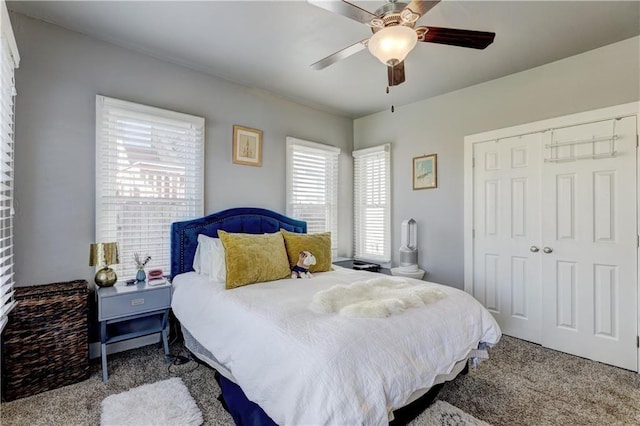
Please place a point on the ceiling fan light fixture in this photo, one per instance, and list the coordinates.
(392, 44)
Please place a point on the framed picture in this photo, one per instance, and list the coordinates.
(425, 172)
(247, 146)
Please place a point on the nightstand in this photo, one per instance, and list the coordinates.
(348, 263)
(126, 312)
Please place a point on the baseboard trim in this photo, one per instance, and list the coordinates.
(125, 345)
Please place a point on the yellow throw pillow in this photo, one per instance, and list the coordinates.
(318, 244)
(254, 258)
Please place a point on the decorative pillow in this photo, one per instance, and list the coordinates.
(318, 244)
(254, 258)
(209, 258)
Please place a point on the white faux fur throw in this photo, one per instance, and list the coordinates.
(374, 298)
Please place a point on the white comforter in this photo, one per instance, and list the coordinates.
(308, 368)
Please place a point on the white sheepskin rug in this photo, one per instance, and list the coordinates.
(167, 402)
(374, 298)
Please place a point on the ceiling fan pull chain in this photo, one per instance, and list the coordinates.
(393, 109)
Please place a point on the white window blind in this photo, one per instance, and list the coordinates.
(372, 186)
(149, 173)
(312, 186)
(9, 60)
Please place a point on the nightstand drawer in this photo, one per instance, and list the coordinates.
(134, 303)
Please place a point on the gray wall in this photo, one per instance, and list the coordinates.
(599, 78)
(62, 71)
(59, 76)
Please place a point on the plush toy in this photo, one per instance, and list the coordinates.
(305, 260)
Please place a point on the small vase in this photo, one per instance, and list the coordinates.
(140, 275)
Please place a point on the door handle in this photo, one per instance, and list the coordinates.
(547, 250)
(534, 249)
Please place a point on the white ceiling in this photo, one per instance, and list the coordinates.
(270, 44)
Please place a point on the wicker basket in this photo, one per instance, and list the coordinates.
(45, 343)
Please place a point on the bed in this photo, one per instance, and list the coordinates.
(299, 366)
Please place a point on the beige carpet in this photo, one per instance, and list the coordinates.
(526, 384)
(522, 384)
(79, 404)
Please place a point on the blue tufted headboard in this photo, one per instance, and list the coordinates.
(250, 220)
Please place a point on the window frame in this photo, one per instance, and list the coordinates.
(329, 152)
(361, 178)
(155, 119)
(9, 61)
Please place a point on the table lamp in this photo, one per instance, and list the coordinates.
(104, 254)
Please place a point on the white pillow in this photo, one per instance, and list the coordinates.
(209, 258)
(196, 259)
(218, 267)
(201, 258)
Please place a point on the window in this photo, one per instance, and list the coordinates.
(371, 192)
(149, 173)
(9, 60)
(312, 186)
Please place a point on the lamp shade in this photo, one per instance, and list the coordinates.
(103, 254)
(392, 44)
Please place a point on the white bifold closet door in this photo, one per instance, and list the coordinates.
(507, 223)
(555, 256)
(589, 291)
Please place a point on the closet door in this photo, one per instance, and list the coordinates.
(506, 272)
(588, 253)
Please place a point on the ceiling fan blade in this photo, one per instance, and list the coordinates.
(345, 8)
(340, 54)
(395, 74)
(421, 7)
(455, 37)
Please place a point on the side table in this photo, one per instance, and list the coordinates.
(348, 263)
(130, 311)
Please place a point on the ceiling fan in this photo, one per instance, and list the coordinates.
(395, 33)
